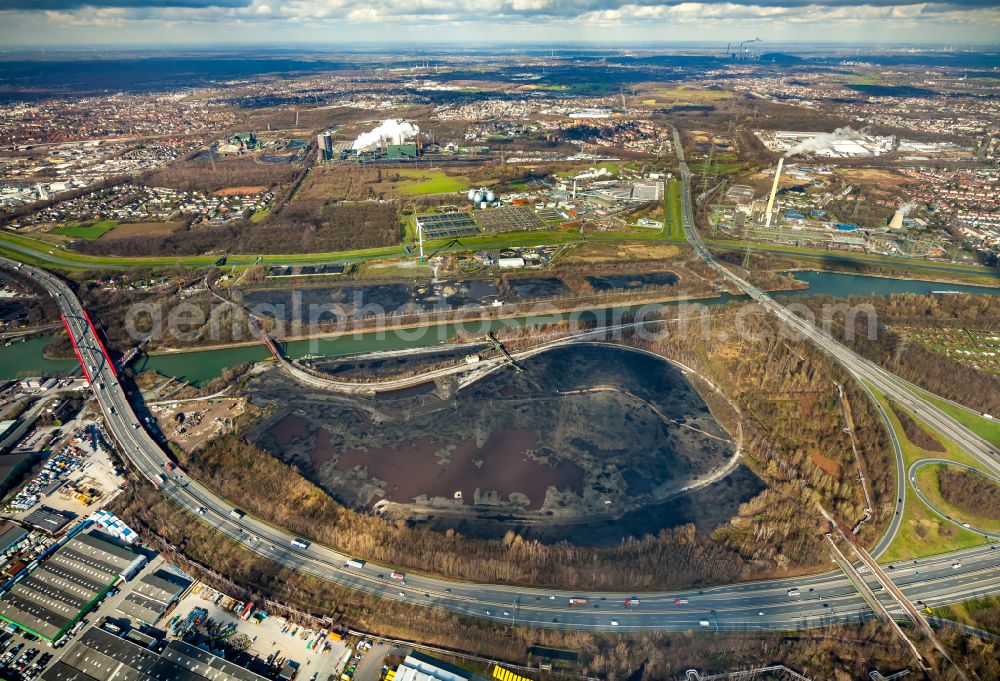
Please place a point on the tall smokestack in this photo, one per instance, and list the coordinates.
(774, 191)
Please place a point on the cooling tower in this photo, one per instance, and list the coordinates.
(897, 219)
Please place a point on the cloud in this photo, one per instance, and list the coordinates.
(549, 8)
(503, 20)
(63, 5)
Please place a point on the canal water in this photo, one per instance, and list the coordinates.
(22, 359)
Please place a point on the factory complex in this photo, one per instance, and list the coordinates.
(102, 656)
(66, 584)
(804, 215)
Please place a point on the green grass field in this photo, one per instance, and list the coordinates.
(423, 182)
(968, 612)
(261, 214)
(988, 429)
(54, 255)
(923, 532)
(718, 168)
(929, 481)
(89, 232)
(672, 207)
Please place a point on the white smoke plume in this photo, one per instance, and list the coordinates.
(906, 208)
(391, 131)
(821, 143)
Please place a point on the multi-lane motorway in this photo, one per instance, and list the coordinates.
(862, 369)
(815, 599)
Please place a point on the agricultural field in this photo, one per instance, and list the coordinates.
(142, 229)
(233, 191)
(596, 253)
(873, 176)
(345, 182)
(683, 95)
(415, 182)
(92, 231)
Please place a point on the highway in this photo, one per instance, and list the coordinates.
(766, 605)
(862, 369)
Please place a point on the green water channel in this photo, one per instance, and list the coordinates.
(23, 359)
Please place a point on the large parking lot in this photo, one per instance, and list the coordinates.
(24, 657)
(272, 636)
(77, 477)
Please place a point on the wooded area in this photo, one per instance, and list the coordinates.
(299, 228)
(970, 492)
(930, 370)
(915, 432)
(836, 652)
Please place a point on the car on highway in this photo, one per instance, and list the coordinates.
(614, 623)
(955, 566)
(202, 510)
(793, 593)
(680, 601)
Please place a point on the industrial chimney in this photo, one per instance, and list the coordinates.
(774, 190)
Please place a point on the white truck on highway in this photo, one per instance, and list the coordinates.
(355, 563)
(300, 543)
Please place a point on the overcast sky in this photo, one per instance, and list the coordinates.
(155, 23)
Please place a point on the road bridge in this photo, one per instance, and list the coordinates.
(759, 606)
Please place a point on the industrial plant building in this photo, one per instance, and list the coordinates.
(47, 520)
(101, 656)
(65, 585)
(392, 140)
(150, 597)
(10, 535)
(420, 667)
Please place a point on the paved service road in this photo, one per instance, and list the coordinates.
(825, 598)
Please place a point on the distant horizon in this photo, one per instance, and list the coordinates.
(187, 23)
(499, 46)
